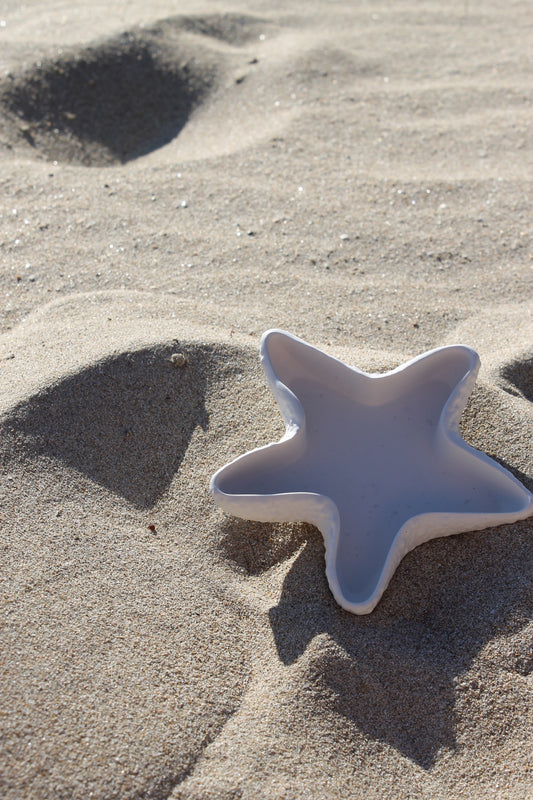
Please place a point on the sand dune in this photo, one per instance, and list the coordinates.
(175, 181)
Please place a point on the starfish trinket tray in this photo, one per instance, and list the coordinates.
(375, 461)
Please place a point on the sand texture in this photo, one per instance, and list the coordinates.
(175, 179)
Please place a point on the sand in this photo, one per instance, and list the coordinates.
(176, 179)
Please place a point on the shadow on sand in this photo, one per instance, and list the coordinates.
(125, 422)
(393, 673)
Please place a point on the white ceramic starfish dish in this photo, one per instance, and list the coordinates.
(376, 462)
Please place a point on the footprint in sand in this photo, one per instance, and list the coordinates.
(207, 85)
(128, 95)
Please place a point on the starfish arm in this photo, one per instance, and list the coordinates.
(254, 486)
(271, 361)
(263, 484)
(443, 378)
(420, 529)
(289, 361)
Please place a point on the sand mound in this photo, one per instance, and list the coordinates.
(111, 102)
(123, 97)
(157, 643)
(99, 421)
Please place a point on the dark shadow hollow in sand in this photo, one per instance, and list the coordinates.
(126, 422)
(392, 673)
(255, 547)
(518, 377)
(111, 102)
(489, 417)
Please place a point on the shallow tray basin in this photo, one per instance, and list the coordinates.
(375, 461)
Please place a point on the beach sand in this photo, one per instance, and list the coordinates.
(177, 178)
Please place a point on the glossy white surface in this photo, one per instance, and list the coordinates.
(375, 461)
